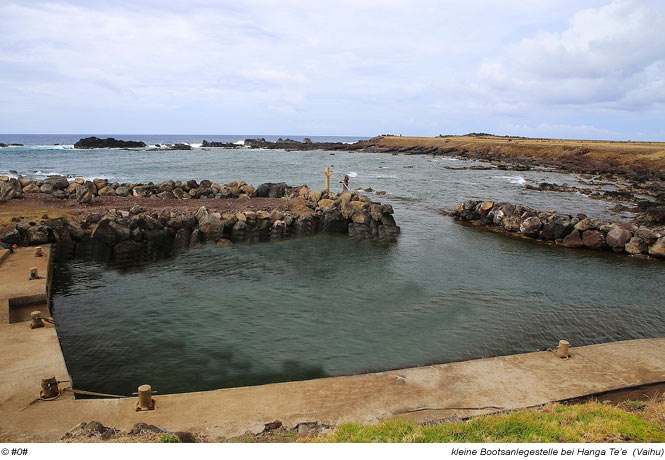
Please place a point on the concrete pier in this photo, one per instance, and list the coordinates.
(424, 393)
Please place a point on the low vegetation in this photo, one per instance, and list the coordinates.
(575, 155)
(632, 421)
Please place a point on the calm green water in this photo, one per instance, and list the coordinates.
(325, 306)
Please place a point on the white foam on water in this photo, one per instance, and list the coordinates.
(48, 147)
(353, 174)
(240, 142)
(518, 180)
(385, 177)
(196, 146)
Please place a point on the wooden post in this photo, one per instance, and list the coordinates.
(327, 173)
(33, 273)
(38, 252)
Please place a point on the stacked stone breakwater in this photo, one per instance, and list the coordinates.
(140, 232)
(578, 231)
(84, 191)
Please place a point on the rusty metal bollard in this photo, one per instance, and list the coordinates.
(49, 388)
(562, 350)
(36, 320)
(145, 401)
(33, 273)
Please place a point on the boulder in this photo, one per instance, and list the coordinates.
(636, 245)
(122, 191)
(360, 217)
(83, 194)
(100, 183)
(485, 207)
(104, 232)
(573, 240)
(211, 227)
(658, 248)
(136, 209)
(36, 234)
(46, 188)
(239, 231)
(12, 236)
(315, 195)
(649, 236)
(359, 231)
(511, 223)
(618, 237)
(388, 234)
(531, 227)
(106, 191)
(586, 224)
(7, 192)
(278, 230)
(31, 188)
(557, 227)
(142, 191)
(127, 251)
(58, 182)
(593, 239)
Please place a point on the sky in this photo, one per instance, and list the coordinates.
(549, 68)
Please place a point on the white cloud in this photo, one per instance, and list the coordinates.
(610, 57)
(331, 67)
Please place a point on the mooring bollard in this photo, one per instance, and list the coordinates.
(38, 252)
(562, 349)
(33, 273)
(49, 388)
(36, 320)
(145, 401)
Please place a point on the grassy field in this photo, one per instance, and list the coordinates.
(633, 155)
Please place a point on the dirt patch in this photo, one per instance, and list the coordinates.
(35, 206)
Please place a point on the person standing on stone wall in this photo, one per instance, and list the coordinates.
(345, 184)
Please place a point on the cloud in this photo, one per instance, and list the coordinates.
(611, 57)
(355, 67)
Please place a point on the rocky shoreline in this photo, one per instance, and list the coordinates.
(578, 231)
(131, 232)
(507, 153)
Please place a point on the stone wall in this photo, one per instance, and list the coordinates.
(139, 233)
(578, 231)
(85, 190)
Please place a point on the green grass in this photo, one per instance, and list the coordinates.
(167, 438)
(590, 422)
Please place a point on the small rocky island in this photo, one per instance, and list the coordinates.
(108, 143)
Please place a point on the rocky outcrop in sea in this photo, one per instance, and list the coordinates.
(108, 143)
(572, 231)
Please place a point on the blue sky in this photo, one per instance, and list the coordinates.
(550, 68)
